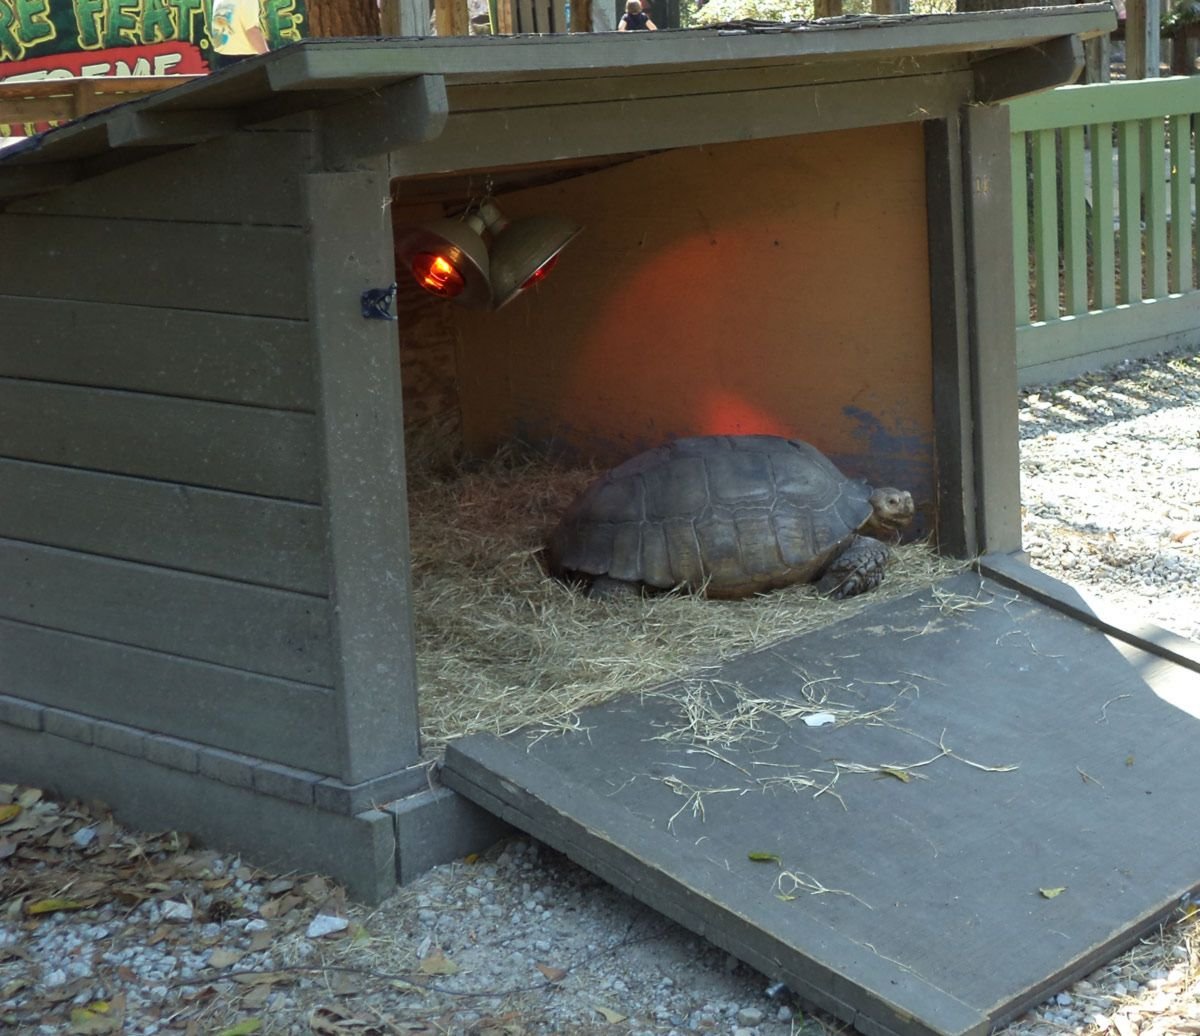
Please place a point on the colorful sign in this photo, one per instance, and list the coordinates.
(55, 39)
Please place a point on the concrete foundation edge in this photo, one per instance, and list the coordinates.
(437, 826)
(369, 852)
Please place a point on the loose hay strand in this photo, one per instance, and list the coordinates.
(501, 646)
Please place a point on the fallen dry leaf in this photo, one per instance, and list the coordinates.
(9, 812)
(551, 973)
(437, 963)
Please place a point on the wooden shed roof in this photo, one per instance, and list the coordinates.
(1008, 52)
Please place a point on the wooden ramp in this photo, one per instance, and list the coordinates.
(1006, 799)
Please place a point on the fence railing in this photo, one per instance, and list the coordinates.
(1104, 201)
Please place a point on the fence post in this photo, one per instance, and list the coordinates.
(1142, 40)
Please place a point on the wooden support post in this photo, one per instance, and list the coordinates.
(827, 8)
(988, 195)
(1142, 40)
(451, 18)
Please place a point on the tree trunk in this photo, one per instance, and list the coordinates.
(343, 18)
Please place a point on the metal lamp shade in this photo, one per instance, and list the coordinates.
(521, 249)
(460, 244)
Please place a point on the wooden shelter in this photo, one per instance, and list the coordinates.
(205, 614)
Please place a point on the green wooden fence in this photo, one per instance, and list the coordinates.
(1104, 197)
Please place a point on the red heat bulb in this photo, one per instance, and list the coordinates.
(437, 275)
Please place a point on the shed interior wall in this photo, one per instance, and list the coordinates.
(777, 286)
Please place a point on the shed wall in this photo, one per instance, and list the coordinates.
(776, 286)
(162, 539)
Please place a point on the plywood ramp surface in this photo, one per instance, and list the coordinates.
(994, 812)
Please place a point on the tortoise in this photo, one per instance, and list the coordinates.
(728, 516)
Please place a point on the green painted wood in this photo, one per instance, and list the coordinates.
(1020, 222)
(243, 449)
(174, 352)
(1067, 348)
(153, 263)
(1015, 73)
(1045, 224)
(1074, 212)
(362, 470)
(1129, 195)
(408, 113)
(997, 480)
(263, 717)
(948, 312)
(476, 93)
(555, 131)
(247, 161)
(1180, 278)
(253, 539)
(1104, 256)
(908, 858)
(1106, 102)
(271, 632)
(1154, 206)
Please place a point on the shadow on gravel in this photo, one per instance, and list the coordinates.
(1118, 393)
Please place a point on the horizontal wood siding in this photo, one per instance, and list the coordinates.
(273, 543)
(257, 271)
(173, 352)
(258, 171)
(257, 715)
(248, 449)
(163, 558)
(273, 632)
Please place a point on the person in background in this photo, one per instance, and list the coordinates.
(235, 31)
(634, 19)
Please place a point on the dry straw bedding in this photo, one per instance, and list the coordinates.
(501, 646)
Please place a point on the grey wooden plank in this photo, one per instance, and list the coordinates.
(260, 630)
(948, 309)
(1080, 603)
(212, 267)
(693, 889)
(555, 132)
(474, 93)
(214, 356)
(411, 112)
(992, 328)
(999, 680)
(168, 186)
(244, 449)
(363, 483)
(1001, 77)
(264, 717)
(254, 539)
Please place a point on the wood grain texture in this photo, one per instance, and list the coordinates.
(1013, 684)
(175, 265)
(725, 311)
(993, 329)
(265, 631)
(244, 449)
(261, 167)
(362, 471)
(248, 538)
(174, 352)
(263, 717)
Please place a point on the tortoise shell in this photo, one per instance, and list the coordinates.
(730, 515)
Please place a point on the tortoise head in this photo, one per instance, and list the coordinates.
(891, 511)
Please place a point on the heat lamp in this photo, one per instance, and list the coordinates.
(450, 258)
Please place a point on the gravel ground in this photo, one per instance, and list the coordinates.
(107, 931)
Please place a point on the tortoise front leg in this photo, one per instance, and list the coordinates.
(857, 569)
